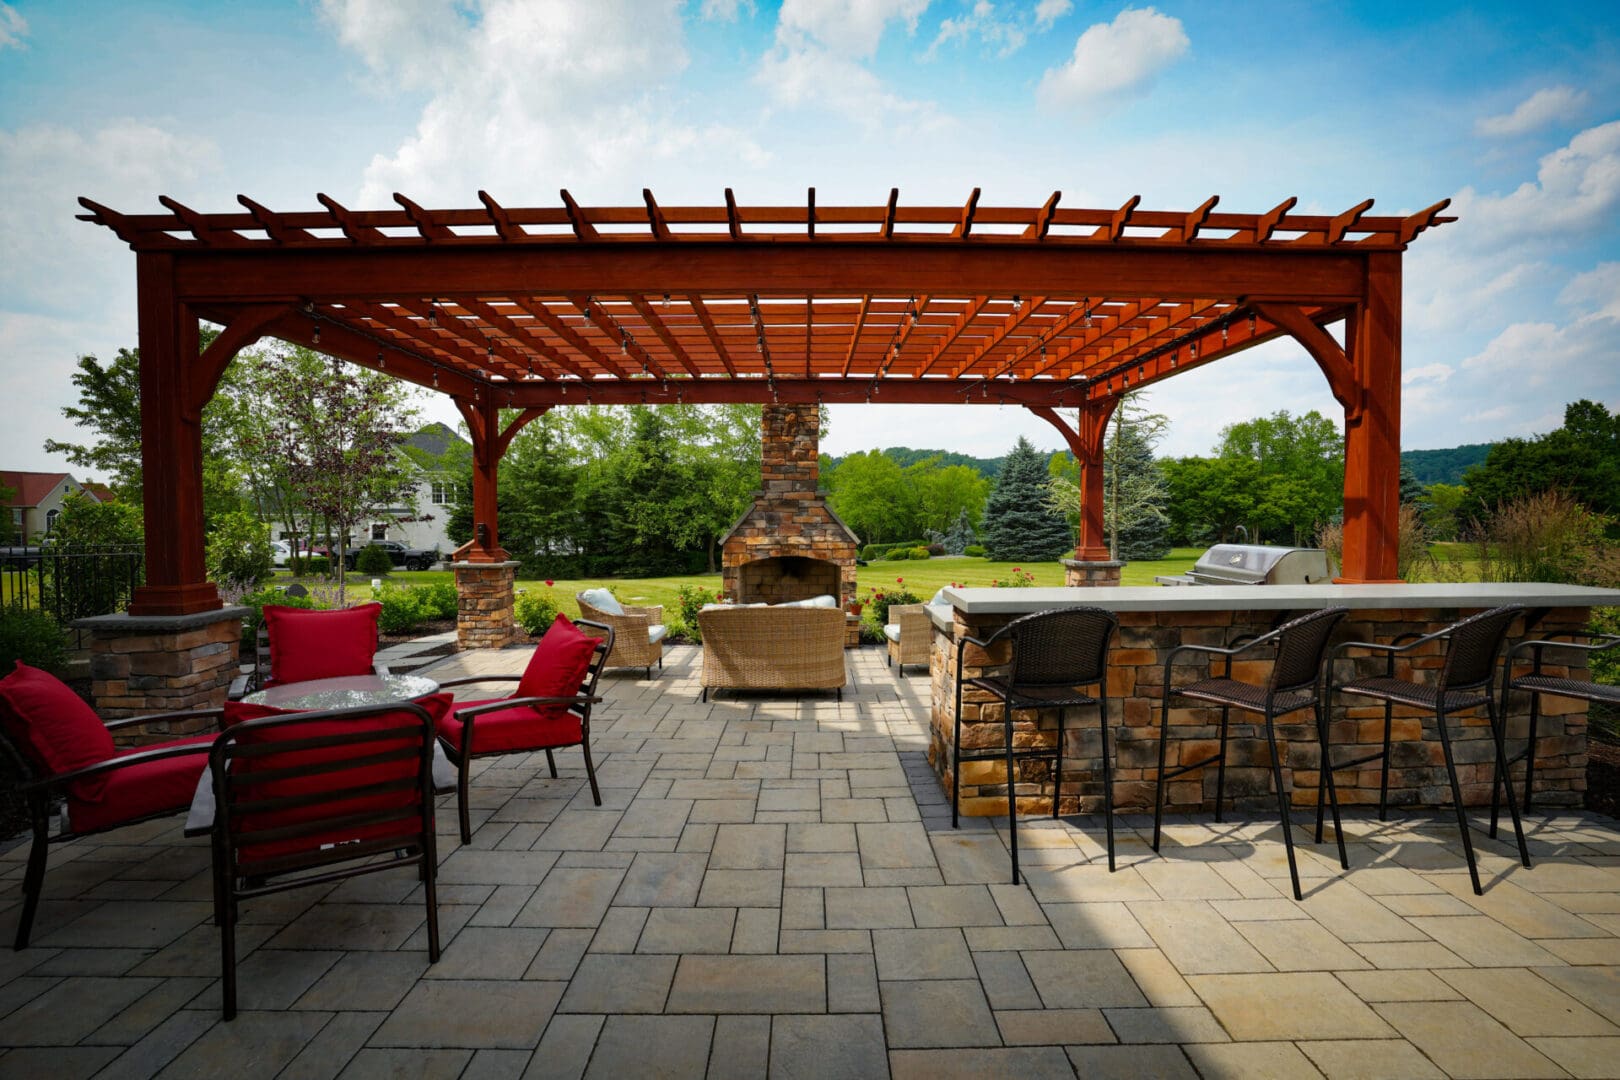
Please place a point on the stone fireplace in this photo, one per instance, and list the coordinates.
(789, 545)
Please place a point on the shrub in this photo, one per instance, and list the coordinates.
(1547, 537)
(403, 608)
(373, 560)
(897, 554)
(256, 601)
(936, 549)
(440, 599)
(535, 611)
(921, 552)
(974, 550)
(1412, 544)
(32, 636)
(1018, 579)
(239, 551)
(311, 565)
(879, 601)
(873, 551)
(688, 601)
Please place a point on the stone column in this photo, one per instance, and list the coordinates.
(1078, 572)
(484, 605)
(162, 663)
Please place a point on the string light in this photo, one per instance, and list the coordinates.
(435, 378)
(433, 313)
(624, 345)
(1018, 303)
(316, 337)
(382, 361)
(1251, 322)
(1087, 321)
(589, 300)
(666, 300)
(1192, 350)
(1223, 335)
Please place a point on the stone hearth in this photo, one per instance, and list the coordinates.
(789, 545)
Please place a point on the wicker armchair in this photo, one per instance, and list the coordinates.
(908, 632)
(635, 643)
(772, 648)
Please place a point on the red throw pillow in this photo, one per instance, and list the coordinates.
(53, 725)
(558, 665)
(308, 644)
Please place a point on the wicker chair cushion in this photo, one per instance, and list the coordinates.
(1244, 696)
(1030, 696)
(603, 600)
(310, 644)
(46, 719)
(1416, 695)
(1575, 688)
(824, 600)
(525, 727)
(144, 790)
(656, 632)
(892, 631)
(559, 662)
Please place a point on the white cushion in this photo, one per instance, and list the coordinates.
(939, 597)
(892, 631)
(823, 600)
(656, 632)
(602, 600)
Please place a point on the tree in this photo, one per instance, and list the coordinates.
(1134, 492)
(1300, 481)
(869, 492)
(6, 528)
(944, 492)
(1209, 497)
(110, 408)
(1018, 521)
(1582, 458)
(336, 432)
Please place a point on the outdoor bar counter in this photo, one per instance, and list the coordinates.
(1154, 619)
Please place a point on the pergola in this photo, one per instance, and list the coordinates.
(1050, 308)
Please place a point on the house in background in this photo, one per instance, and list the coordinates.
(437, 455)
(38, 497)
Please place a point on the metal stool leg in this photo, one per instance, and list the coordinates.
(1220, 768)
(956, 746)
(1530, 751)
(1164, 736)
(1282, 805)
(1332, 790)
(1057, 769)
(1502, 779)
(1108, 778)
(1012, 793)
(1457, 800)
(1383, 779)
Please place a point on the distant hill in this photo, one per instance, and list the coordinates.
(1443, 466)
(905, 455)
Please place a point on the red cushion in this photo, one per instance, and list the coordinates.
(53, 726)
(558, 665)
(525, 727)
(145, 789)
(404, 804)
(308, 644)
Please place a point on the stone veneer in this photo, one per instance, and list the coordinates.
(1091, 574)
(484, 618)
(789, 518)
(160, 664)
(1135, 685)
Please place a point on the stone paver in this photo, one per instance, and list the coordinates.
(771, 884)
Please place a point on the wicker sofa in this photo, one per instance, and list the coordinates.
(908, 632)
(638, 633)
(772, 648)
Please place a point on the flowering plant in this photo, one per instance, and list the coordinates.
(1018, 579)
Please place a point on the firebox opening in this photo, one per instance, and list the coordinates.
(786, 577)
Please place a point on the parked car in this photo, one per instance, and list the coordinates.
(400, 555)
(280, 552)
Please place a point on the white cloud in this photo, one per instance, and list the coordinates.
(1541, 108)
(819, 60)
(725, 10)
(1595, 292)
(1114, 60)
(846, 27)
(1005, 36)
(13, 27)
(1048, 12)
(1426, 373)
(527, 93)
(1577, 188)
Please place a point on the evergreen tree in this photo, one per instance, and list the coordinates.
(1136, 495)
(960, 536)
(1018, 521)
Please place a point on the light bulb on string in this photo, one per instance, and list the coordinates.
(315, 338)
(586, 311)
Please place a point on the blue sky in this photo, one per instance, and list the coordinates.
(1513, 111)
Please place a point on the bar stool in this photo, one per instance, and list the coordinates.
(1536, 684)
(1054, 653)
(1465, 682)
(1295, 683)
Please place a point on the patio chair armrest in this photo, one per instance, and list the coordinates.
(239, 687)
(57, 780)
(380, 669)
(468, 679)
(513, 703)
(653, 612)
(182, 714)
(1593, 643)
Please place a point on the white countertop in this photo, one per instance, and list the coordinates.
(1280, 597)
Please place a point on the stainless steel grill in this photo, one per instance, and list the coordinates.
(1256, 564)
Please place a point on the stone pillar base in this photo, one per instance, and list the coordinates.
(1079, 573)
(162, 663)
(484, 605)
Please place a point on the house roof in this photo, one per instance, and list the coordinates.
(31, 487)
(102, 492)
(434, 439)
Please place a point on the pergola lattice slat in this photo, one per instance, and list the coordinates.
(1047, 307)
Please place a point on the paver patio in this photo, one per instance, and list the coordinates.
(772, 884)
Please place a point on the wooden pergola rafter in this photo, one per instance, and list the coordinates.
(1048, 307)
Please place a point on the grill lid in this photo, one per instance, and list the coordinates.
(1256, 564)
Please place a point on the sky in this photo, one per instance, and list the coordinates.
(1510, 110)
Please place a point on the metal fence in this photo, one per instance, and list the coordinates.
(71, 582)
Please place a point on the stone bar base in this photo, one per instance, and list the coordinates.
(484, 605)
(162, 663)
(1135, 690)
(1092, 574)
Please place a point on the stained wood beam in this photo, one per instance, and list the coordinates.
(505, 228)
(733, 222)
(1423, 219)
(345, 219)
(607, 324)
(888, 216)
(1196, 219)
(1269, 220)
(112, 219)
(575, 340)
(273, 223)
(810, 214)
(965, 225)
(1104, 323)
(487, 351)
(855, 334)
(524, 337)
(583, 229)
(1043, 218)
(1344, 222)
(413, 332)
(1008, 324)
(655, 216)
(1328, 354)
(202, 228)
(1122, 218)
(701, 310)
(425, 223)
(656, 325)
(952, 332)
(357, 347)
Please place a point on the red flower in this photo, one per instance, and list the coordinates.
(1015, 570)
(549, 582)
(899, 581)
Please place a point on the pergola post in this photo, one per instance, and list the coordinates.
(171, 450)
(1372, 437)
(484, 580)
(1093, 563)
